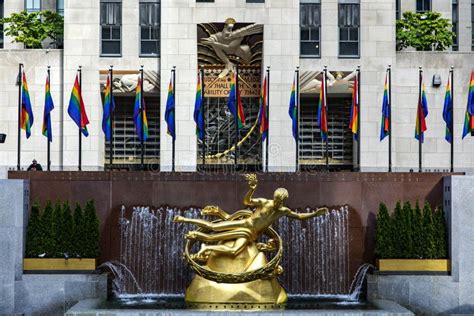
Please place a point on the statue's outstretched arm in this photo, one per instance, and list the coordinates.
(248, 198)
(302, 216)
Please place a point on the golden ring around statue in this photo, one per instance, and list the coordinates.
(269, 270)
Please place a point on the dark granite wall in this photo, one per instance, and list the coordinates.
(361, 191)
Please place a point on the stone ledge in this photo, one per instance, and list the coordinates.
(92, 307)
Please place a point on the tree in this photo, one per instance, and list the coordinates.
(440, 234)
(33, 28)
(34, 236)
(66, 230)
(78, 232)
(57, 232)
(397, 229)
(424, 31)
(47, 229)
(91, 231)
(383, 234)
(428, 233)
(406, 231)
(417, 236)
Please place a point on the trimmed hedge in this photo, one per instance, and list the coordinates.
(57, 233)
(410, 233)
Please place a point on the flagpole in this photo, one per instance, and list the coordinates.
(20, 85)
(420, 146)
(358, 117)
(174, 119)
(267, 117)
(452, 118)
(236, 117)
(325, 92)
(298, 118)
(203, 119)
(79, 70)
(142, 131)
(47, 139)
(389, 118)
(111, 141)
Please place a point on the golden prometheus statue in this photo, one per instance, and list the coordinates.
(231, 265)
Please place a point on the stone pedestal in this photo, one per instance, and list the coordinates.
(14, 199)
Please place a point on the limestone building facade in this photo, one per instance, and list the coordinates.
(309, 34)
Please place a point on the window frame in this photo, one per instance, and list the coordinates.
(423, 6)
(111, 26)
(151, 27)
(455, 23)
(2, 13)
(340, 27)
(58, 9)
(34, 9)
(310, 28)
(472, 25)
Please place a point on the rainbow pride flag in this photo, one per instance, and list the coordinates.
(293, 109)
(139, 113)
(385, 123)
(48, 107)
(262, 115)
(170, 111)
(448, 111)
(234, 98)
(354, 121)
(199, 110)
(109, 107)
(26, 118)
(322, 105)
(76, 108)
(468, 121)
(421, 114)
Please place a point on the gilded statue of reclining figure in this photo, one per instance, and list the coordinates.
(243, 226)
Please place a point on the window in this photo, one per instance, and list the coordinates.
(126, 146)
(1, 25)
(455, 21)
(149, 28)
(310, 28)
(423, 5)
(472, 25)
(398, 14)
(32, 6)
(312, 149)
(349, 23)
(60, 7)
(111, 27)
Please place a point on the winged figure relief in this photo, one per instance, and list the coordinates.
(229, 42)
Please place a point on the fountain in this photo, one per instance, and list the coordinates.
(150, 266)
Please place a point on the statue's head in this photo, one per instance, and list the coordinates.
(229, 24)
(280, 196)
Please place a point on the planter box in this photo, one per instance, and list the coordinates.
(412, 265)
(40, 264)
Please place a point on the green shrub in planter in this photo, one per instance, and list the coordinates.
(417, 226)
(428, 233)
(411, 233)
(34, 234)
(66, 230)
(58, 234)
(384, 246)
(78, 231)
(440, 234)
(47, 231)
(91, 231)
